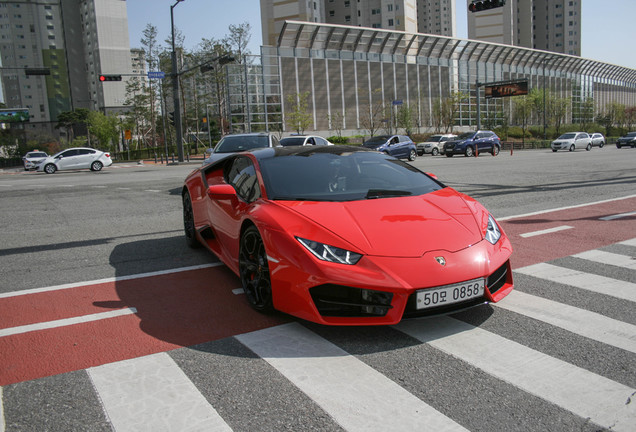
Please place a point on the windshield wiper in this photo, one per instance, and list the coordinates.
(386, 193)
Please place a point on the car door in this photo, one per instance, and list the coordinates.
(581, 140)
(481, 142)
(68, 159)
(226, 214)
(86, 158)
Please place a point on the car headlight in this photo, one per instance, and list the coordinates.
(493, 234)
(329, 253)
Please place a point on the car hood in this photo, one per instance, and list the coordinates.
(398, 227)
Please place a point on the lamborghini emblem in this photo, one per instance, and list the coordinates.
(441, 260)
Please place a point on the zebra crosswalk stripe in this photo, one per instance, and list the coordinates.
(603, 401)
(152, 393)
(580, 321)
(608, 258)
(587, 281)
(355, 395)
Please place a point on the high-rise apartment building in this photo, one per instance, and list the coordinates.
(550, 25)
(413, 16)
(77, 40)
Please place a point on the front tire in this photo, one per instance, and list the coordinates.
(601, 145)
(589, 147)
(435, 152)
(188, 222)
(254, 271)
(97, 166)
(572, 147)
(412, 155)
(50, 168)
(468, 152)
(495, 150)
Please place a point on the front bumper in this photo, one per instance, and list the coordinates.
(382, 290)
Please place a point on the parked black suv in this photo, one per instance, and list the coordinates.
(627, 140)
(470, 142)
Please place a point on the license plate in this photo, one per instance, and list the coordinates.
(450, 294)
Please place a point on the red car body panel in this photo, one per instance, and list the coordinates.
(399, 239)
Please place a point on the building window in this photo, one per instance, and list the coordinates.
(389, 8)
(332, 13)
(347, 18)
(390, 23)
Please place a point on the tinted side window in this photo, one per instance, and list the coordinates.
(86, 151)
(242, 175)
(69, 153)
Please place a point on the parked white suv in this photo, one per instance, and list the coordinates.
(434, 144)
(571, 141)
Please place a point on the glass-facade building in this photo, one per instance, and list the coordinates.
(344, 71)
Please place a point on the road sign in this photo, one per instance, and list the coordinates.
(156, 74)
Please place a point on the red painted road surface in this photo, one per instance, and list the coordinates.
(186, 308)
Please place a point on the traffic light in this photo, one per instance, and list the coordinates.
(480, 5)
(171, 117)
(103, 78)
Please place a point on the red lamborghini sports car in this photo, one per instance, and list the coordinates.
(345, 235)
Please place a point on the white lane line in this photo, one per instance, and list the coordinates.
(631, 242)
(99, 187)
(579, 321)
(351, 392)
(577, 390)
(564, 208)
(66, 322)
(617, 216)
(123, 188)
(152, 393)
(107, 280)
(608, 258)
(152, 190)
(546, 231)
(587, 281)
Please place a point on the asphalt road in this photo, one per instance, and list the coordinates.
(537, 373)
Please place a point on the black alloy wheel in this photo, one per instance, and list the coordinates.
(254, 271)
(188, 222)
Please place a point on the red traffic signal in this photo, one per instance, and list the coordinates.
(480, 5)
(103, 78)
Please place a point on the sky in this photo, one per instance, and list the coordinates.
(605, 24)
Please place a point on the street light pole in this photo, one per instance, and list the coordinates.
(175, 89)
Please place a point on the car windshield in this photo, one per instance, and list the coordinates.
(36, 154)
(567, 136)
(466, 135)
(318, 175)
(292, 141)
(376, 141)
(231, 144)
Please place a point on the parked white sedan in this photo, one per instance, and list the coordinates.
(571, 141)
(75, 159)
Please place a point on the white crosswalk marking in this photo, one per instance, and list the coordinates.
(572, 388)
(608, 258)
(575, 320)
(631, 242)
(152, 394)
(354, 394)
(587, 281)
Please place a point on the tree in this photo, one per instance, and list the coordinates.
(406, 118)
(522, 111)
(104, 128)
(299, 117)
(371, 110)
(238, 39)
(445, 110)
(149, 41)
(336, 122)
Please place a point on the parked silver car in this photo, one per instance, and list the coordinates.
(33, 158)
(303, 140)
(75, 159)
(434, 144)
(572, 141)
(598, 140)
